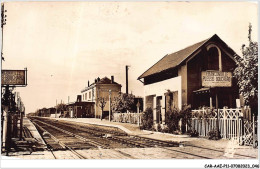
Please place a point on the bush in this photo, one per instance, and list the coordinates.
(165, 129)
(172, 118)
(147, 119)
(159, 128)
(213, 135)
(193, 133)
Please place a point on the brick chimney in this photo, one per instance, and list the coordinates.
(88, 83)
(112, 79)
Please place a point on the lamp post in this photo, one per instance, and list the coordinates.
(138, 112)
(56, 109)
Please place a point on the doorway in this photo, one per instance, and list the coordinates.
(158, 109)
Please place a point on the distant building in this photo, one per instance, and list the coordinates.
(52, 110)
(100, 89)
(80, 109)
(199, 75)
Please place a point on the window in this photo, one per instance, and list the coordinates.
(86, 96)
(83, 96)
(89, 94)
(213, 59)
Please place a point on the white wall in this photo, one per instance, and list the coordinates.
(159, 88)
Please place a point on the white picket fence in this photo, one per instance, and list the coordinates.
(133, 118)
(231, 123)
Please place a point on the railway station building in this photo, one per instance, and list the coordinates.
(101, 88)
(80, 109)
(199, 75)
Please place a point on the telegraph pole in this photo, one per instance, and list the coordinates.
(3, 22)
(56, 109)
(4, 114)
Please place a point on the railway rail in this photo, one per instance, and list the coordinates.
(72, 137)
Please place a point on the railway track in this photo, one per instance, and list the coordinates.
(61, 143)
(65, 146)
(68, 136)
(107, 138)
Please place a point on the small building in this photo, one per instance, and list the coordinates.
(80, 109)
(101, 88)
(52, 110)
(199, 75)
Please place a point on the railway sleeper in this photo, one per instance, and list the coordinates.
(171, 144)
(130, 142)
(95, 130)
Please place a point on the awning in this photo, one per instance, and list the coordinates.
(202, 90)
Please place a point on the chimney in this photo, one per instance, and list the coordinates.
(95, 80)
(98, 79)
(126, 71)
(79, 98)
(112, 79)
(88, 83)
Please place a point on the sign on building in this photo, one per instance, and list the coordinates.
(216, 79)
(14, 77)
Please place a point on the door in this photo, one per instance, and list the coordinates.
(158, 109)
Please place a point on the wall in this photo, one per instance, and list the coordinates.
(159, 88)
(201, 63)
(194, 69)
(102, 90)
(91, 89)
(182, 71)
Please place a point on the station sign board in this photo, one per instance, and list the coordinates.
(216, 79)
(14, 77)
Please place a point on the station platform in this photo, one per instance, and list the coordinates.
(34, 133)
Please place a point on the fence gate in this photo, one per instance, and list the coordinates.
(231, 123)
(249, 137)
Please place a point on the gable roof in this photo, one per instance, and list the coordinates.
(175, 59)
(105, 80)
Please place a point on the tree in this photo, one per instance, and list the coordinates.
(246, 72)
(123, 102)
(61, 108)
(102, 103)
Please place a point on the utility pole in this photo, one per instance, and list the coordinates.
(3, 22)
(56, 109)
(3, 115)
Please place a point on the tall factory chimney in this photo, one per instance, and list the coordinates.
(126, 71)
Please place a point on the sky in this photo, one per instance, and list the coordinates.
(65, 44)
